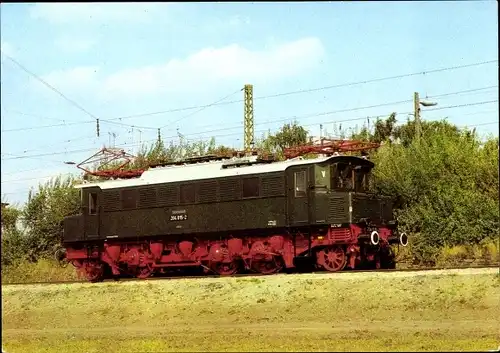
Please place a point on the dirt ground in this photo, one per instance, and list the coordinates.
(450, 310)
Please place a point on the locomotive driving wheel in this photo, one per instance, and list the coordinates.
(145, 271)
(267, 266)
(225, 268)
(93, 271)
(332, 258)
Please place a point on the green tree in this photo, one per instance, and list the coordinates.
(383, 130)
(44, 212)
(10, 217)
(13, 240)
(289, 135)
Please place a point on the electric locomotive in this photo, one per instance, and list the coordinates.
(228, 215)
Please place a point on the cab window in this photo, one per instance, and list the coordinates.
(348, 177)
(342, 176)
(300, 184)
(92, 203)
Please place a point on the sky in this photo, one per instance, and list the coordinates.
(122, 62)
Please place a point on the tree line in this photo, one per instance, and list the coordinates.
(444, 185)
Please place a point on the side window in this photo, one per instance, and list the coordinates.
(188, 193)
(300, 184)
(251, 187)
(92, 203)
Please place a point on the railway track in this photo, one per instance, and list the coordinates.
(243, 275)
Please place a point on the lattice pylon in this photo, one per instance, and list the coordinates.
(248, 119)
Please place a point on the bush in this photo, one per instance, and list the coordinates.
(446, 187)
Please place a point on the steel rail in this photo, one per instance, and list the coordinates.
(243, 275)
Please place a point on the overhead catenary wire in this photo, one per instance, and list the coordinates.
(110, 121)
(73, 174)
(282, 119)
(464, 91)
(311, 89)
(154, 128)
(52, 88)
(286, 118)
(203, 108)
(14, 111)
(221, 101)
(289, 118)
(72, 151)
(60, 143)
(48, 126)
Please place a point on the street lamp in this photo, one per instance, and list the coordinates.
(428, 104)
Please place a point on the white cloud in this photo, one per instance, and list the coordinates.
(211, 66)
(61, 13)
(205, 68)
(74, 45)
(201, 71)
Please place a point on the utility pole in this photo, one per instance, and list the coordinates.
(416, 108)
(248, 119)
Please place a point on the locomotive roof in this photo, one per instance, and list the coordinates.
(208, 170)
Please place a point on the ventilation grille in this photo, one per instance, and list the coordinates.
(273, 186)
(147, 197)
(229, 190)
(111, 200)
(338, 209)
(207, 191)
(168, 195)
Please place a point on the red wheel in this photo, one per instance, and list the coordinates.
(144, 272)
(332, 259)
(267, 267)
(94, 271)
(225, 268)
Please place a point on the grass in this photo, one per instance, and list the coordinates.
(41, 271)
(486, 252)
(345, 312)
